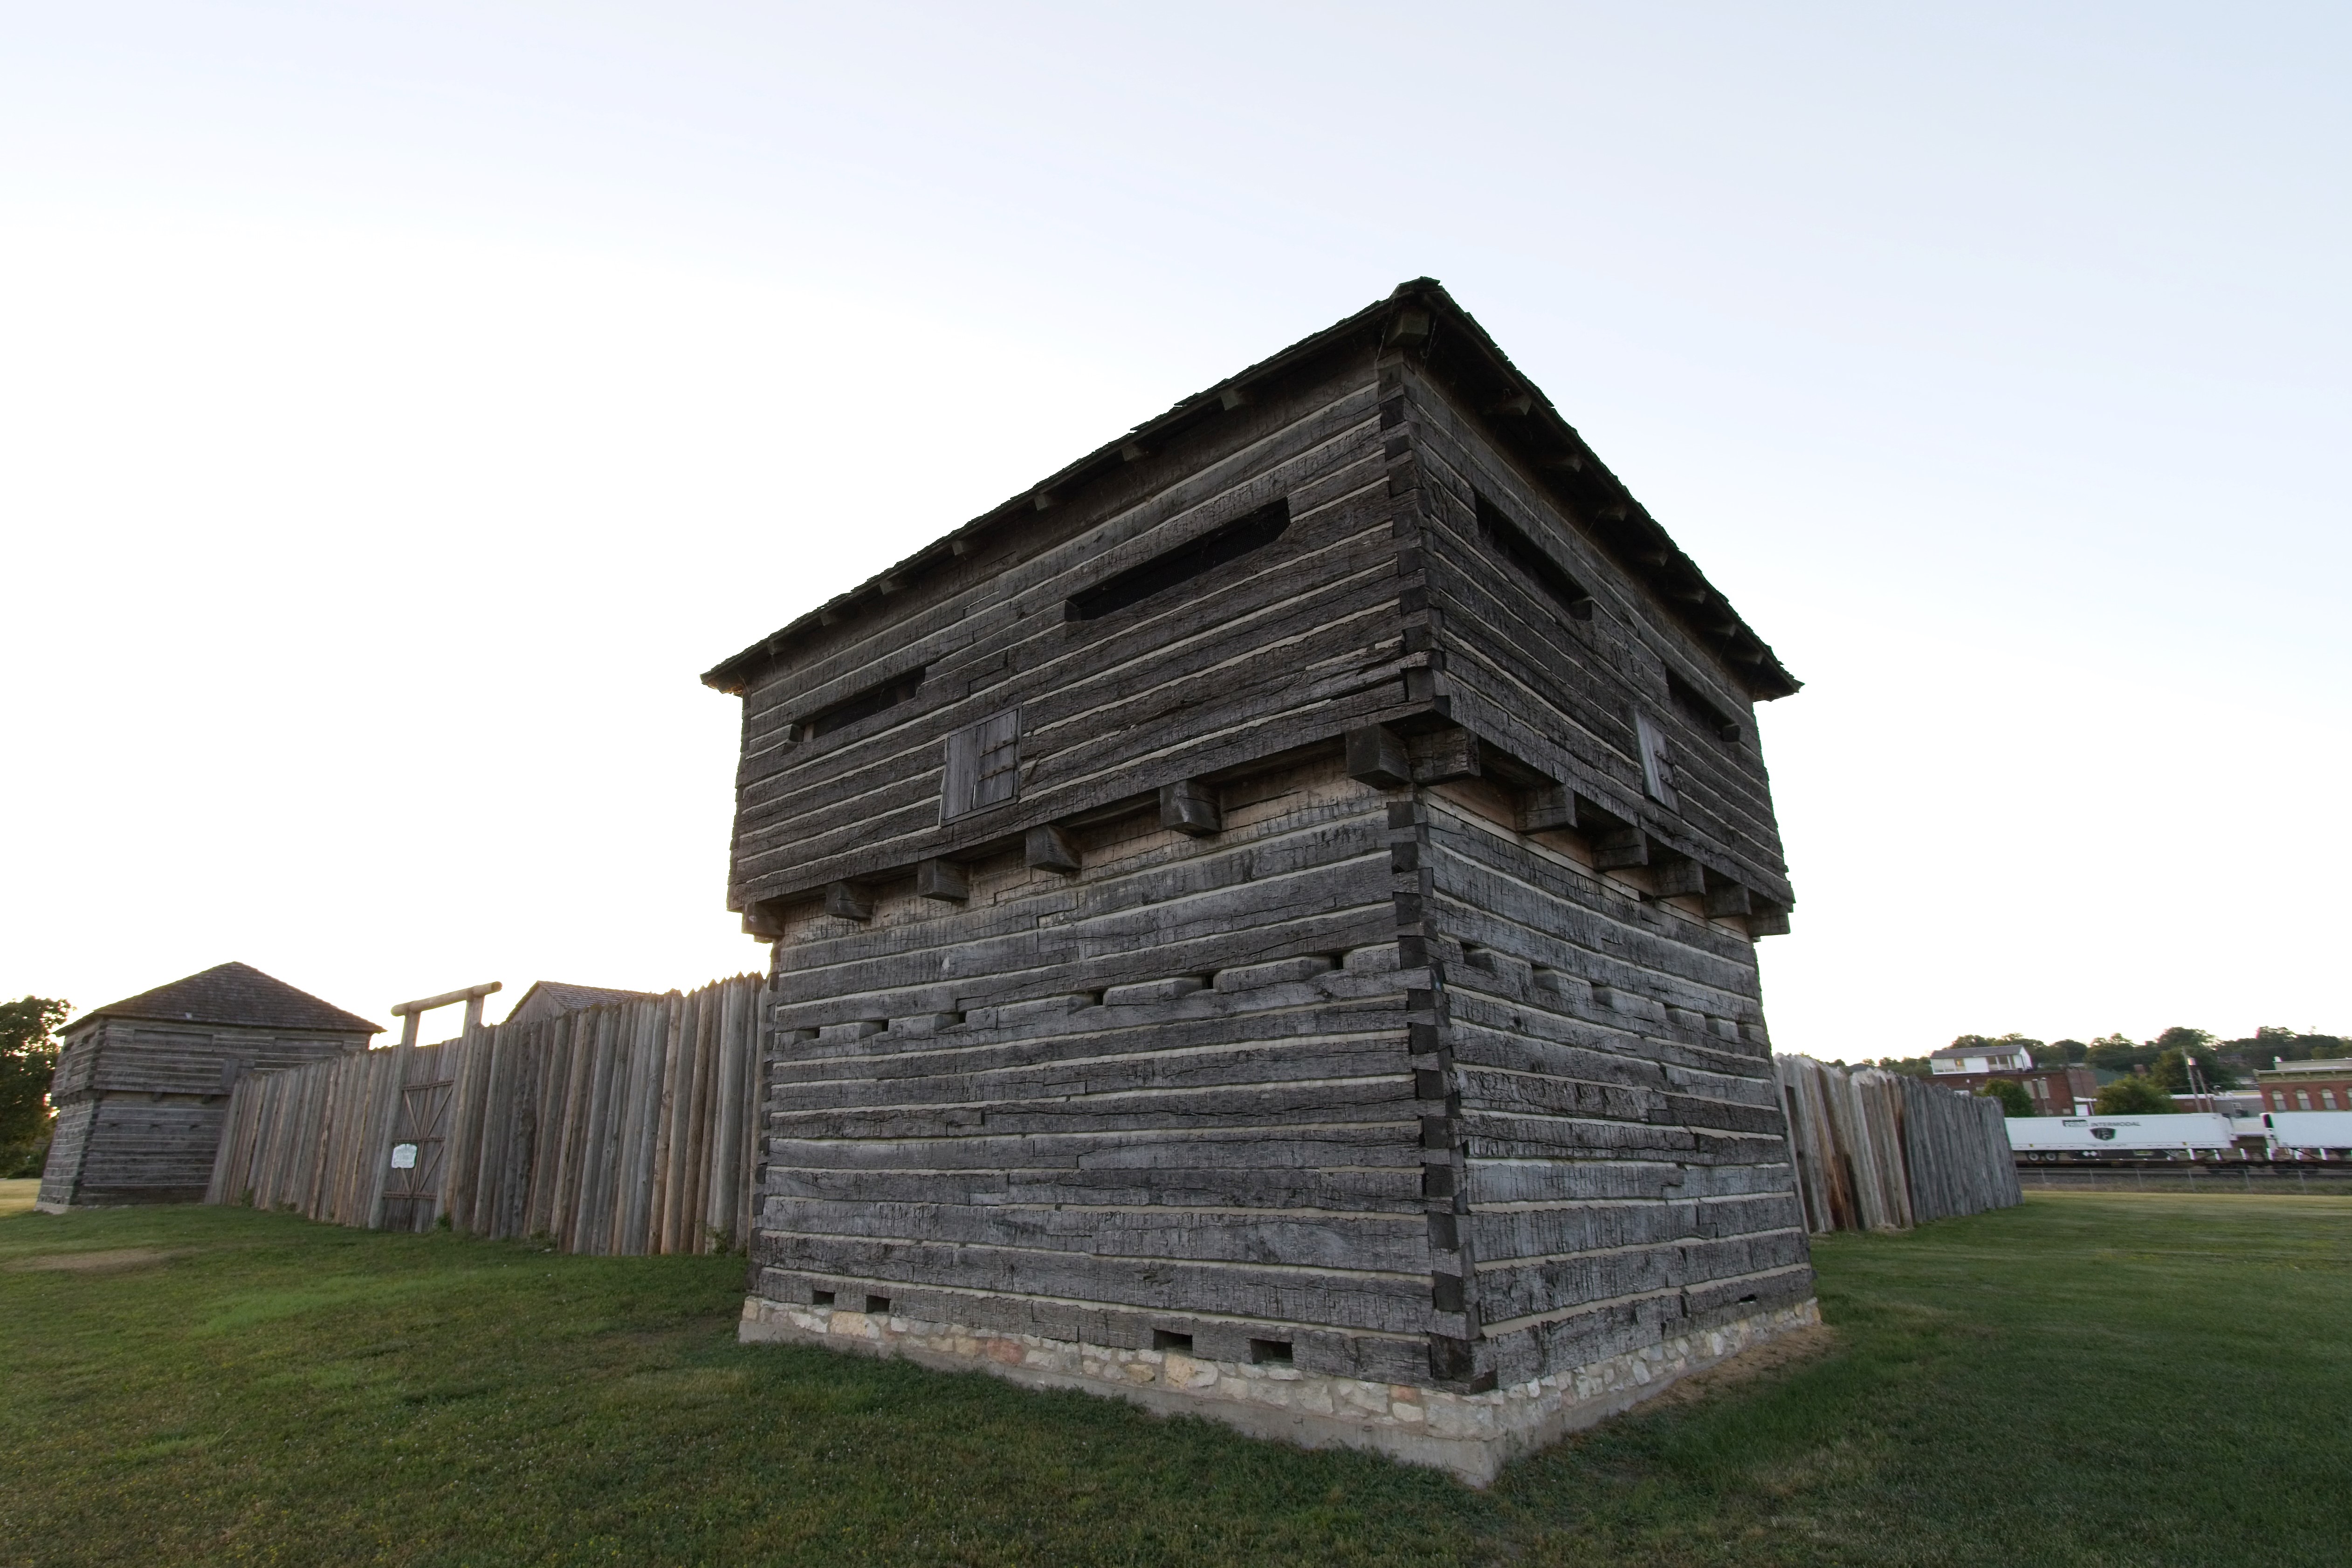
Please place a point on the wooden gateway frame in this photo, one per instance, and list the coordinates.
(416, 1135)
(1263, 925)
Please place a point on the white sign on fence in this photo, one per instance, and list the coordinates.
(404, 1156)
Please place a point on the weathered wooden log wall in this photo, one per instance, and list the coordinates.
(1622, 1145)
(1955, 1151)
(623, 1128)
(1170, 1094)
(1237, 894)
(1621, 1141)
(1556, 656)
(141, 1103)
(1882, 1151)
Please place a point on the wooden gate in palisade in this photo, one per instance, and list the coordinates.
(412, 1173)
(412, 1167)
(628, 1128)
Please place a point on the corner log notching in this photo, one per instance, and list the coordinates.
(1270, 933)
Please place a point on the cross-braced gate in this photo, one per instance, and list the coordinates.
(415, 1161)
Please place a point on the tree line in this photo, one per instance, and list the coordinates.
(2180, 1060)
(28, 1055)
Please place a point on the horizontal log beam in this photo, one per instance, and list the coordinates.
(427, 1003)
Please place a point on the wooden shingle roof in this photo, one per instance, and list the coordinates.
(551, 998)
(235, 994)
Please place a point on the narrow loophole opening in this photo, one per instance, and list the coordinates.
(1162, 1340)
(878, 1305)
(1265, 1351)
(822, 1298)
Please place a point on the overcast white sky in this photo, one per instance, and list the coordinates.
(401, 405)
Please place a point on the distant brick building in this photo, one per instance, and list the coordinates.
(2316, 1085)
(2056, 1090)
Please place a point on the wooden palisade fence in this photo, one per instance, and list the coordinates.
(1880, 1151)
(623, 1129)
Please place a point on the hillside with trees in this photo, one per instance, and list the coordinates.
(28, 1055)
(2164, 1062)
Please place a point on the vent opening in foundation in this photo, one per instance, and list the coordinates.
(820, 1298)
(1276, 1351)
(1163, 1340)
(878, 1305)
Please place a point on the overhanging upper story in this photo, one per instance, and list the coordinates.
(1384, 524)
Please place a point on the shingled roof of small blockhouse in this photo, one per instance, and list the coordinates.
(1519, 415)
(568, 998)
(234, 994)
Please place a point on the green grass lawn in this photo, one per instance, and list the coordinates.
(2090, 1379)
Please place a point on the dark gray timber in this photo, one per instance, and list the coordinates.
(142, 1086)
(593, 1129)
(1310, 893)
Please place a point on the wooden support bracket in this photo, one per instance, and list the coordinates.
(1728, 900)
(1190, 806)
(1443, 757)
(1546, 809)
(1768, 919)
(1620, 848)
(943, 879)
(1377, 757)
(1048, 848)
(763, 920)
(1672, 877)
(1408, 329)
(848, 901)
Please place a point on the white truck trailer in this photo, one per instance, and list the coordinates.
(2143, 1135)
(2310, 1132)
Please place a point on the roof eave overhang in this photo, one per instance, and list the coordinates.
(353, 1026)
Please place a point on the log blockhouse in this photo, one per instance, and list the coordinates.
(1263, 925)
(142, 1086)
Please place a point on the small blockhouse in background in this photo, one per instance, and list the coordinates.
(1265, 925)
(142, 1085)
(552, 999)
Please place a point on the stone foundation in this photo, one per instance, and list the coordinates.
(1471, 1434)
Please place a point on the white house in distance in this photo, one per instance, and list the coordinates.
(1981, 1059)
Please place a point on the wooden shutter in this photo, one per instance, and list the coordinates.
(1657, 763)
(983, 765)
